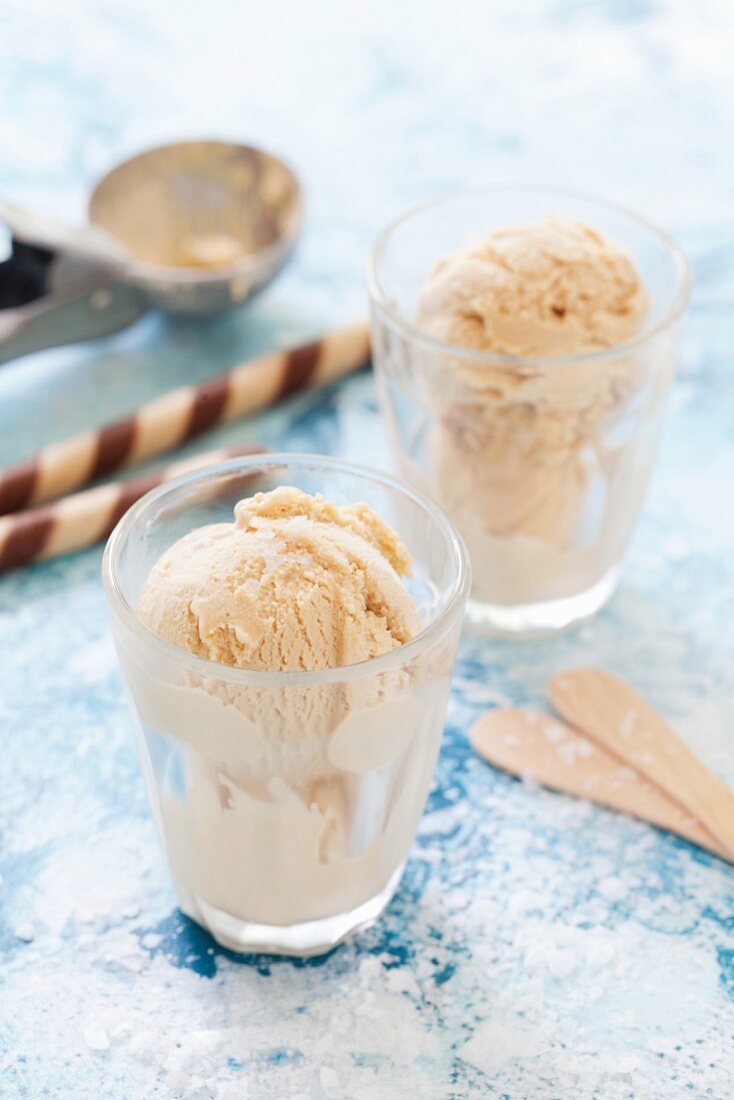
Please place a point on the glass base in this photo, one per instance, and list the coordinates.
(534, 620)
(314, 937)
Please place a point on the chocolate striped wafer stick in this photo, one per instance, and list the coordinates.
(179, 415)
(81, 519)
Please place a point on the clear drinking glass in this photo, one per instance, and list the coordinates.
(286, 802)
(542, 463)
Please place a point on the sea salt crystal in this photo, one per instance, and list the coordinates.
(562, 962)
(25, 932)
(229, 1090)
(627, 723)
(369, 969)
(569, 752)
(143, 1047)
(661, 1044)
(399, 980)
(553, 733)
(96, 1037)
(330, 1083)
(131, 911)
(675, 549)
(133, 963)
(613, 889)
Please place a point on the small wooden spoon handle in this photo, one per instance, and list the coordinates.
(525, 742)
(612, 713)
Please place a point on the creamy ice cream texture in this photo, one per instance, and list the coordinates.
(300, 800)
(295, 583)
(554, 287)
(519, 455)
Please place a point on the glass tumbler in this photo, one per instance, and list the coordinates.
(286, 802)
(541, 462)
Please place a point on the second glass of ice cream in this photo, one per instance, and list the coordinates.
(524, 341)
(288, 683)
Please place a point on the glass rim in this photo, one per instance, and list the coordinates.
(202, 666)
(400, 322)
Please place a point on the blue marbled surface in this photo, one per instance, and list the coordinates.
(537, 948)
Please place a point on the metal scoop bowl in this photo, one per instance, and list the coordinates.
(193, 228)
(205, 223)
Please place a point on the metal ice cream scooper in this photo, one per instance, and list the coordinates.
(192, 228)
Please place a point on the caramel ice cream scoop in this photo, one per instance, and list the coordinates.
(295, 583)
(524, 449)
(554, 287)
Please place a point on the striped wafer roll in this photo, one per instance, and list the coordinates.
(166, 422)
(81, 519)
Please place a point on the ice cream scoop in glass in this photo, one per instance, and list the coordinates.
(286, 628)
(524, 340)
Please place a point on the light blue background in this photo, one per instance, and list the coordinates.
(537, 948)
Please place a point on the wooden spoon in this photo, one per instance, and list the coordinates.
(527, 743)
(612, 713)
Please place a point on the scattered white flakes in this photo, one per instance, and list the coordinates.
(612, 888)
(662, 1044)
(553, 733)
(151, 940)
(675, 549)
(369, 968)
(494, 1044)
(562, 962)
(400, 980)
(525, 902)
(557, 961)
(329, 1080)
(131, 911)
(96, 1037)
(144, 1047)
(481, 693)
(25, 932)
(529, 782)
(232, 1091)
(628, 721)
(134, 963)
(569, 752)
